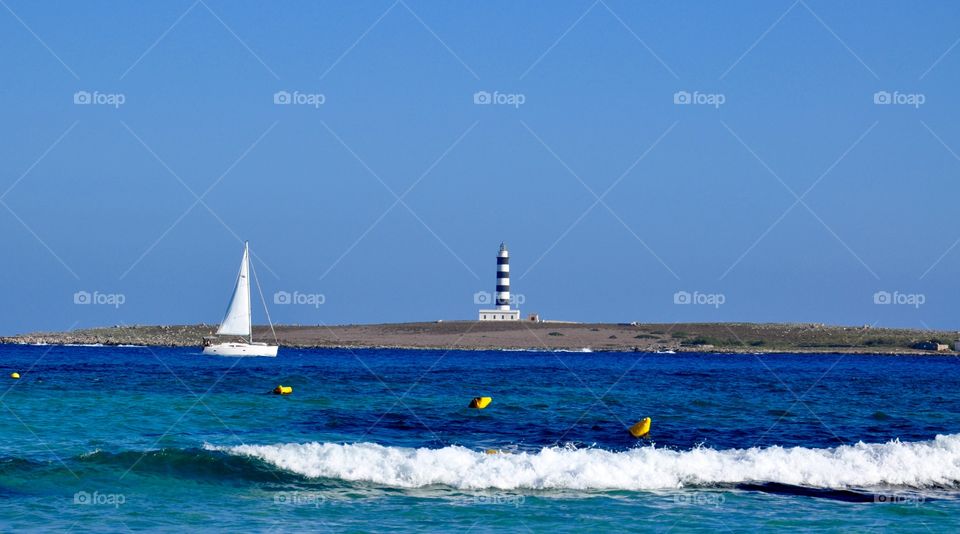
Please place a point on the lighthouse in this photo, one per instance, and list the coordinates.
(502, 293)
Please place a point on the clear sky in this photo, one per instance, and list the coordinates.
(788, 189)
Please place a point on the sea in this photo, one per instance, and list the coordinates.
(121, 439)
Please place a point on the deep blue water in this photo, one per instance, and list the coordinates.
(119, 439)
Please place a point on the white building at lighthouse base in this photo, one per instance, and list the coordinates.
(499, 315)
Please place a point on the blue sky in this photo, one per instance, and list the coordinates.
(784, 188)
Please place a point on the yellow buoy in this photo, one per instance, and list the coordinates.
(480, 402)
(14, 375)
(640, 429)
(283, 390)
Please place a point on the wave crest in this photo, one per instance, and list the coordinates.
(923, 464)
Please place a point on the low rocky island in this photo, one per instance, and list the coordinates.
(489, 335)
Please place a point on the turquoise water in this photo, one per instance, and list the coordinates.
(119, 439)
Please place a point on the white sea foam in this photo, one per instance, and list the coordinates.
(933, 463)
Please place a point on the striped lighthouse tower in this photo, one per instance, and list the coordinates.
(502, 311)
(503, 278)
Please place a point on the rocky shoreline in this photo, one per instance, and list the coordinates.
(474, 335)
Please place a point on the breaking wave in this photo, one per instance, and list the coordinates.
(925, 464)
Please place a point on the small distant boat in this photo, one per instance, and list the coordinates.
(237, 321)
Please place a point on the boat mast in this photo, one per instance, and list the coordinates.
(246, 258)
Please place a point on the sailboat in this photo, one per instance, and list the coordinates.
(237, 321)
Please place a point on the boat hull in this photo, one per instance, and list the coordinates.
(241, 349)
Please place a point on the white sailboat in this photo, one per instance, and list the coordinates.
(237, 321)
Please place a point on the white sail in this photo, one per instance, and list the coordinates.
(237, 320)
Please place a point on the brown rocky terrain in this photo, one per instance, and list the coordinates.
(700, 337)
